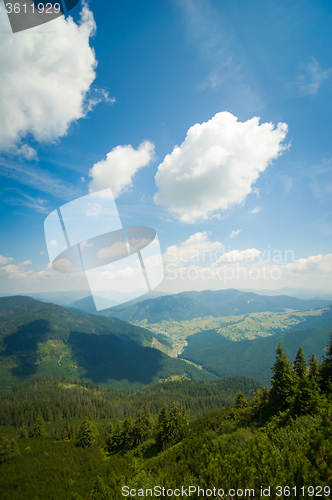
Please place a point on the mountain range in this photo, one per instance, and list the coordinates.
(186, 306)
(40, 338)
(37, 338)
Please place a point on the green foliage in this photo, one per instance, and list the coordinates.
(8, 450)
(130, 435)
(276, 438)
(326, 368)
(86, 434)
(38, 429)
(240, 400)
(172, 425)
(57, 400)
(283, 382)
(22, 433)
(100, 491)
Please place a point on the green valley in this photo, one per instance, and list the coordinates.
(236, 328)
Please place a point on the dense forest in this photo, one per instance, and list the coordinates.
(274, 444)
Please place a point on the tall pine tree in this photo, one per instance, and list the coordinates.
(326, 370)
(283, 382)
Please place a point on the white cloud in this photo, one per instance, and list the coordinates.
(255, 210)
(319, 264)
(216, 166)
(44, 79)
(16, 271)
(85, 244)
(119, 168)
(111, 252)
(17, 279)
(196, 247)
(25, 263)
(53, 243)
(42, 252)
(27, 152)
(201, 268)
(65, 266)
(311, 77)
(234, 233)
(5, 260)
(247, 255)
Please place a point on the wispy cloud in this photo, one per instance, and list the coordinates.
(321, 182)
(39, 179)
(255, 210)
(24, 200)
(96, 96)
(311, 77)
(215, 41)
(234, 233)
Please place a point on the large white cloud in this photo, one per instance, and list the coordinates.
(120, 166)
(45, 76)
(320, 264)
(196, 248)
(216, 165)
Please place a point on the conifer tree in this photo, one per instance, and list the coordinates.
(67, 432)
(326, 369)
(283, 382)
(87, 433)
(306, 397)
(22, 433)
(240, 400)
(127, 435)
(172, 425)
(142, 425)
(8, 450)
(38, 429)
(300, 366)
(314, 371)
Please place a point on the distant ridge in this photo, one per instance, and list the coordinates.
(218, 303)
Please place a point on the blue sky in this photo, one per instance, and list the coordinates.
(141, 74)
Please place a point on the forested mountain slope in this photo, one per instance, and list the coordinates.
(43, 339)
(251, 358)
(59, 399)
(275, 445)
